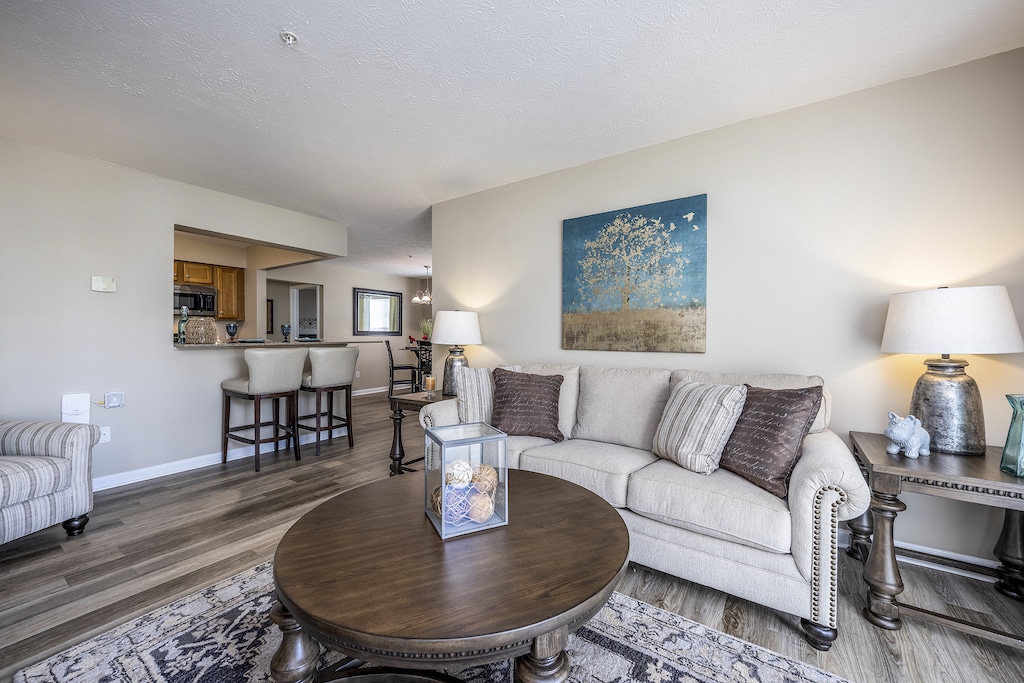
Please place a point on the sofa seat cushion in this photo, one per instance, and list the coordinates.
(721, 504)
(603, 468)
(26, 477)
(515, 446)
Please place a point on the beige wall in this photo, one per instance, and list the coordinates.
(65, 219)
(337, 303)
(815, 217)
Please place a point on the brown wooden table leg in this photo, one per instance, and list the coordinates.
(861, 529)
(397, 449)
(296, 658)
(880, 571)
(1010, 551)
(546, 662)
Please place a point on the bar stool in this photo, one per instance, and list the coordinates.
(273, 374)
(333, 369)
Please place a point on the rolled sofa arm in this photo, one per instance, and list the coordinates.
(440, 414)
(49, 439)
(826, 487)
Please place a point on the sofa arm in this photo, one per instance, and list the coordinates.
(826, 487)
(440, 414)
(50, 439)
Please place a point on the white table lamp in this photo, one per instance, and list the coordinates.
(969, 320)
(456, 328)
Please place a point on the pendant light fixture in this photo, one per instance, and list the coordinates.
(423, 295)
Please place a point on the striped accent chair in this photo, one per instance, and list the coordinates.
(45, 476)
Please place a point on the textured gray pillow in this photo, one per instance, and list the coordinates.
(526, 405)
(696, 423)
(769, 435)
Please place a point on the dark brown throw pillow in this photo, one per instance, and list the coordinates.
(526, 405)
(769, 434)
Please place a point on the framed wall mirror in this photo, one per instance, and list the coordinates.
(376, 312)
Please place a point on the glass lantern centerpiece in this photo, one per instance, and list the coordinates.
(466, 478)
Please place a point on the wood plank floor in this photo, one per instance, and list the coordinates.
(152, 542)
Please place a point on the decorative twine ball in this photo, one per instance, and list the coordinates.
(435, 501)
(485, 478)
(459, 473)
(481, 507)
(456, 507)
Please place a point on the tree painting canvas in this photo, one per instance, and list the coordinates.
(636, 279)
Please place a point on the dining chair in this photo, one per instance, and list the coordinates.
(393, 382)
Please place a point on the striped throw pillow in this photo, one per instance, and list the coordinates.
(474, 388)
(697, 422)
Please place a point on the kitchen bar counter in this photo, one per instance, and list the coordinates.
(261, 345)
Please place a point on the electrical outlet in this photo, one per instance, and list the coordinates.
(104, 434)
(113, 399)
(357, 374)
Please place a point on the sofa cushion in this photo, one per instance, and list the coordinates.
(776, 380)
(474, 389)
(25, 477)
(515, 445)
(721, 504)
(525, 404)
(769, 435)
(621, 405)
(568, 395)
(603, 468)
(697, 422)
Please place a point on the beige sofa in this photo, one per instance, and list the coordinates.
(45, 477)
(716, 529)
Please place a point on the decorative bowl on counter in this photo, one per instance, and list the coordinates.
(200, 331)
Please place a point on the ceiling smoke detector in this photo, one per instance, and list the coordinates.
(289, 38)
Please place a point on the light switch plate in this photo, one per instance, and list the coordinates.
(104, 283)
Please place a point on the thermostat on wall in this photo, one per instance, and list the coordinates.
(104, 283)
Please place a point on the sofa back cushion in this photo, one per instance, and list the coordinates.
(621, 405)
(767, 381)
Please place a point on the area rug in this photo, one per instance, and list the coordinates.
(223, 634)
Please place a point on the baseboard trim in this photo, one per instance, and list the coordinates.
(178, 466)
(986, 566)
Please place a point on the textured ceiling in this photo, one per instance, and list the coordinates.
(384, 108)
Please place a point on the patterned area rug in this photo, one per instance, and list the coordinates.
(223, 634)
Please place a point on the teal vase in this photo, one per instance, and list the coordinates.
(1013, 451)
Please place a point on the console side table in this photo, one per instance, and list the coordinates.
(399, 404)
(975, 479)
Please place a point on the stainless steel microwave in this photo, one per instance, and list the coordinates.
(201, 301)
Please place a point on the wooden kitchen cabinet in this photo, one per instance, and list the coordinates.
(230, 283)
(191, 273)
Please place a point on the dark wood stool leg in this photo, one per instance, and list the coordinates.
(1010, 551)
(330, 414)
(319, 407)
(226, 422)
(256, 435)
(293, 421)
(348, 414)
(277, 422)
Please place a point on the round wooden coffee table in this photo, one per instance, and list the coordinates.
(366, 574)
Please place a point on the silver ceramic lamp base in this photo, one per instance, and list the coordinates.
(947, 401)
(454, 360)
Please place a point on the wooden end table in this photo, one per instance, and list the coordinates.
(366, 574)
(971, 478)
(399, 404)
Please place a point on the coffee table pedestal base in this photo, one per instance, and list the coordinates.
(296, 659)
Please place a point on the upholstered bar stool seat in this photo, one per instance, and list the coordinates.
(273, 374)
(332, 369)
